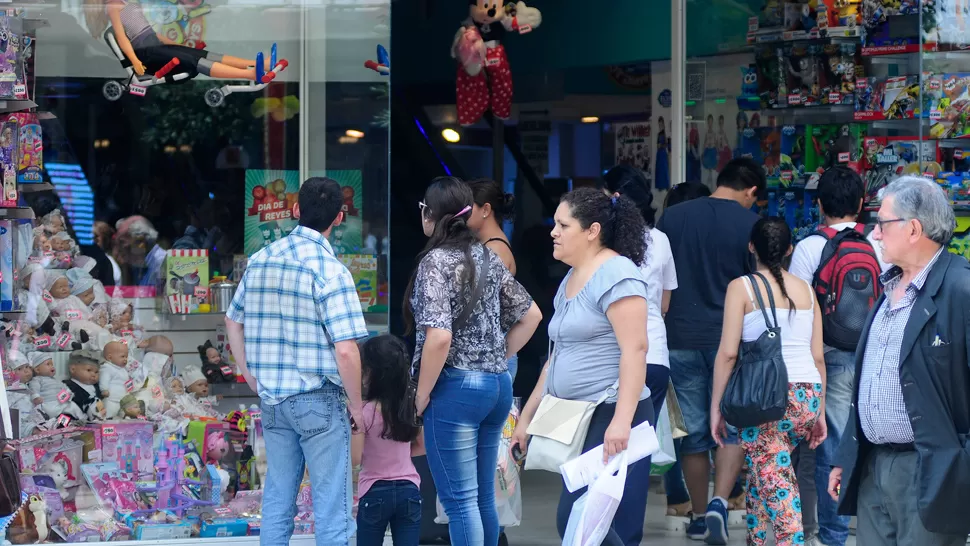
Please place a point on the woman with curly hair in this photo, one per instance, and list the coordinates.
(772, 491)
(600, 334)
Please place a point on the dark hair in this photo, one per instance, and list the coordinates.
(771, 238)
(686, 191)
(489, 191)
(444, 199)
(386, 361)
(629, 182)
(742, 173)
(320, 202)
(840, 192)
(621, 226)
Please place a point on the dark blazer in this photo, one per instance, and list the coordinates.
(936, 389)
(81, 397)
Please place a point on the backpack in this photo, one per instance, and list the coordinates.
(846, 284)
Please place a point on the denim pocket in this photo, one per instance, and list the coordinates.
(312, 413)
(414, 509)
(268, 414)
(371, 511)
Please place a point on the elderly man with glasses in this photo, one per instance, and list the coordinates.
(904, 463)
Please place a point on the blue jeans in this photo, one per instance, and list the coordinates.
(513, 366)
(462, 428)
(839, 387)
(310, 429)
(397, 503)
(627, 528)
(692, 373)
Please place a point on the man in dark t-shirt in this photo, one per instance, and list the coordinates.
(709, 240)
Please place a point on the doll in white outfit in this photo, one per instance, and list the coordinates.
(19, 395)
(58, 399)
(114, 382)
(34, 299)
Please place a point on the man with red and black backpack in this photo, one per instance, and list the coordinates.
(842, 263)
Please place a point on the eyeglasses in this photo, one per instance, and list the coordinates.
(882, 223)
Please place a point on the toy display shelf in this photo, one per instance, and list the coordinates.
(777, 35)
(8, 106)
(16, 213)
(33, 187)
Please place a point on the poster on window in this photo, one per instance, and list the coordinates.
(363, 267)
(633, 146)
(347, 238)
(270, 196)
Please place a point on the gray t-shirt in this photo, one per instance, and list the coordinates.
(587, 359)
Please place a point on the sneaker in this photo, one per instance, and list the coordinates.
(697, 530)
(717, 517)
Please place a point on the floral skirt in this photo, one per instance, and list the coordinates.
(772, 494)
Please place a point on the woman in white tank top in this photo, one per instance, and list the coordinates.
(772, 491)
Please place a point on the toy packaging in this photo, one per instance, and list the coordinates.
(792, 160)
(129, 444)
(949, 99)
(841, 65)
(7, 237)
(802, 67)
(887, 158)
(835, 144)
(771, 148)
(891, 98)
(12, 83)
(30, 149)
(960, 243)
(187, 281)
(8, 163)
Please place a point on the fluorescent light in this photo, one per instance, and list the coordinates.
(589, 119)
(354, 133)
(450, 135)
(347, 139)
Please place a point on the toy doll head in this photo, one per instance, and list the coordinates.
(33, 272)
(132, 407)
(61, 242)
(209, 354)
(216, 447)
(119, 313)
(486, 11)
(176, 386)
(195, 382)
(116, 352)
(158, 344)
(85, 367)
(53, 221)
(59, 287)
(18, 363)
(82, 284)
(41, 241)
(42, 363)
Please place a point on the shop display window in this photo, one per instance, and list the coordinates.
(878, 86)
(147, 150)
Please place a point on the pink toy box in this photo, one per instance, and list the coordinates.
(128, 443)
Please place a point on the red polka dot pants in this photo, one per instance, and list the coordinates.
(476, 94)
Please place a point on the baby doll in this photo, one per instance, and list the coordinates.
(42, 248)
(64, 251)
(216, 448)
(195, 399)
(85, 371)
(58, 399)
(114, 382)
(132, 407)
(34, 298)
(120, 313)
(212, 366)
(53, 222)
(19, 395)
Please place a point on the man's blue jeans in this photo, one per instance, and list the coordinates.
(462, 428)
(397, 503)
(309, 429)
(839, 387)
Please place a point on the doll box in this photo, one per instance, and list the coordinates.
(12, 83)
(30, 150)
(9, 163)
(127, 443)
(187, 274)
(7, 236)
(224, 527)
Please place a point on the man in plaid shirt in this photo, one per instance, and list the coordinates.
(293, 326)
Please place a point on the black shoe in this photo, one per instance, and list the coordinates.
(503, 540)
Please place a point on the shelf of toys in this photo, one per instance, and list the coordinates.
(879, 86)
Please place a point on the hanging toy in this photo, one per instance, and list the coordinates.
(478, 45)
(383, 63)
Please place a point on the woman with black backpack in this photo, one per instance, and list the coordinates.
(777, 351)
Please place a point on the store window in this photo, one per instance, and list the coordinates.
(802, 86)
(148, 149)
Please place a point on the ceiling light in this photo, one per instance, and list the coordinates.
(354, 133)
(347, 140)
(451, 135)
(589, 119)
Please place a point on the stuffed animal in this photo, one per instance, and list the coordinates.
(479, 90)
(214, 369)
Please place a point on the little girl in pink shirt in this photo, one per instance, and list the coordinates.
(388, 484)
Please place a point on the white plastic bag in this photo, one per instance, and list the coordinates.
(666, 456)
(592, 514)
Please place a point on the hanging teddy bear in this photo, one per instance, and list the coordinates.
(478, 90)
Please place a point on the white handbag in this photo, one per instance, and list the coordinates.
(559, 428)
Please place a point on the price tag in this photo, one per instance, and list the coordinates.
(206, 403)
(126, 333)
(20, 90)
(492, 62)
(788, 36)
(47, 296)
(958, 153)
(226, 370)
(525, 29)
(936, 115)
(63, 340)
(786, 176)
(222, 511)
(129, 385)
(794, 99)
(752, 24)
(201, 292)
(156, 391)
(835, 97)
(137, 90)
(42, 342)
(63, 421)
(861, 83)
(843, 157)
(73, 314)
(64, 396)
(109, 431)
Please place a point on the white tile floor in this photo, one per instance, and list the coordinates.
(541, 495)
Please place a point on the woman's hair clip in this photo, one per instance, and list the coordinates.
(613, 201)
(463, 211)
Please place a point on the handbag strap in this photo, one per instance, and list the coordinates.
(761, 302)
(476, 291)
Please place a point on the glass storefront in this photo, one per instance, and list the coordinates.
(878, 87)
(145, 149)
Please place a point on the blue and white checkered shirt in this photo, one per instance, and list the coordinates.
(296, 300)
(882, 410)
